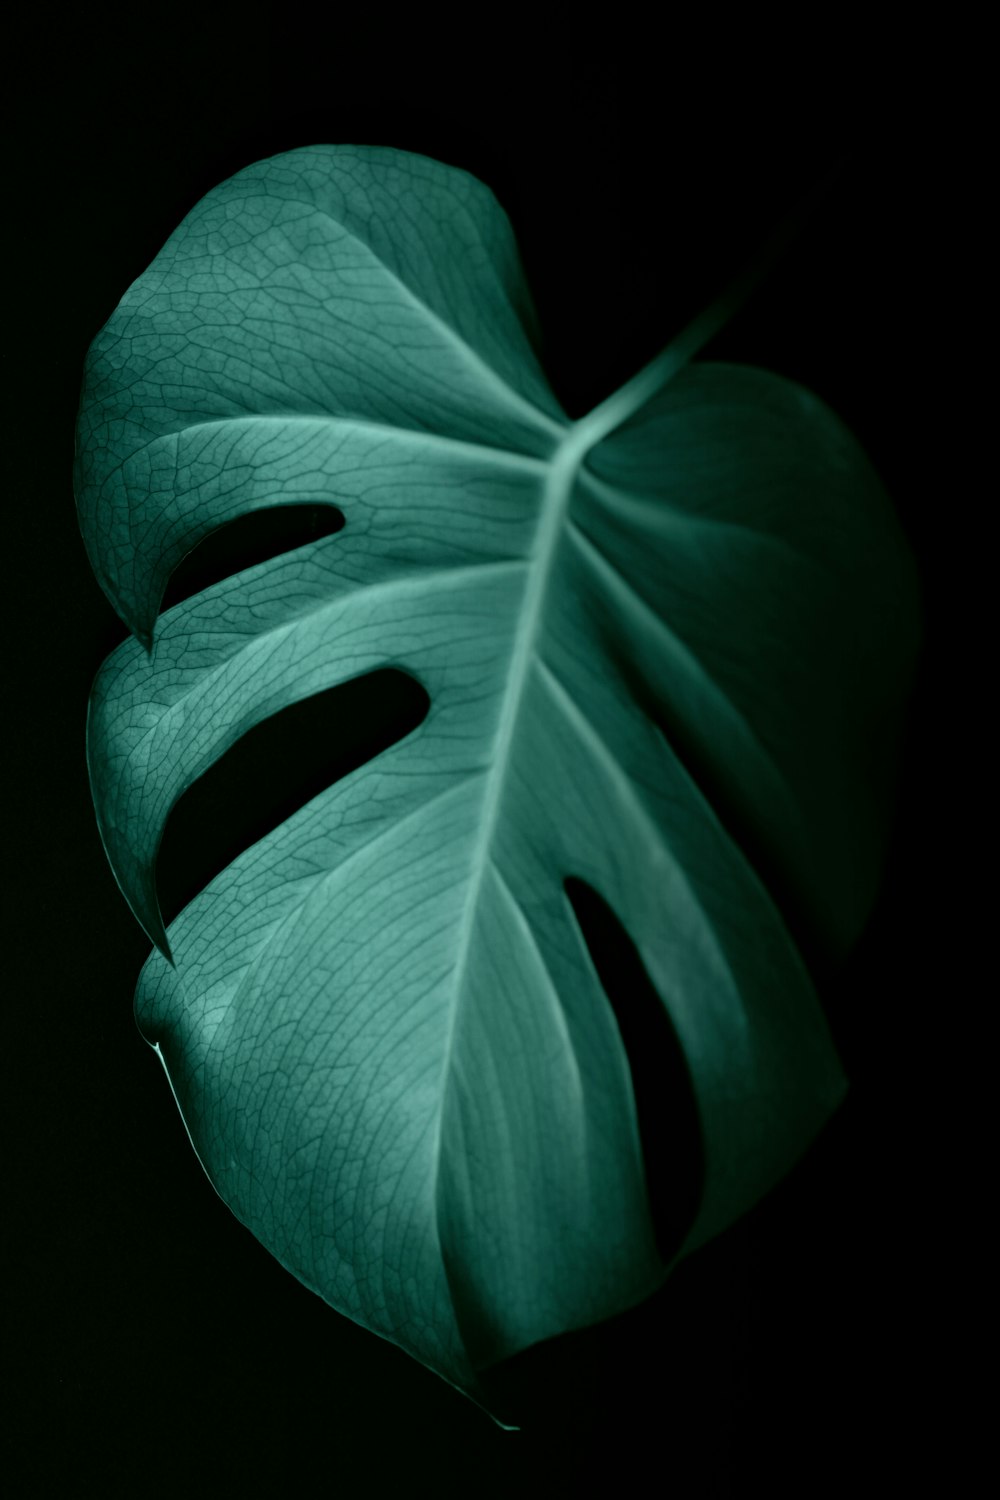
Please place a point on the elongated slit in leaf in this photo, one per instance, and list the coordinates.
(705, 774)
(672, 1148)
(275, 769)
(247, 541)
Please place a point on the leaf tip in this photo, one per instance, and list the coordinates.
(158, 935)
(146, 908)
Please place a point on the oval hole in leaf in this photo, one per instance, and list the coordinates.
(733, 819)
(276, 768)
(669, 1130)
(558, 1382)
(247, 541)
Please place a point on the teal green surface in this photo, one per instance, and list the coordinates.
(381, 1023)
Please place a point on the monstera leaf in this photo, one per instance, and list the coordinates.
(665, 647)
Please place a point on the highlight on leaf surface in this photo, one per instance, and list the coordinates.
(666, 650)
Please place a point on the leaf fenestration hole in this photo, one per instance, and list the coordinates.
(276, 768)
(247, 541)
(551, 1383)
(735, 820)
(672, 1148)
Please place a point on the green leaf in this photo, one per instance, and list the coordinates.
(666, 648)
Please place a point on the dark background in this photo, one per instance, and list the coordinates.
(151, 1345)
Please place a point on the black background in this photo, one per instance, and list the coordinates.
(152, 1345)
